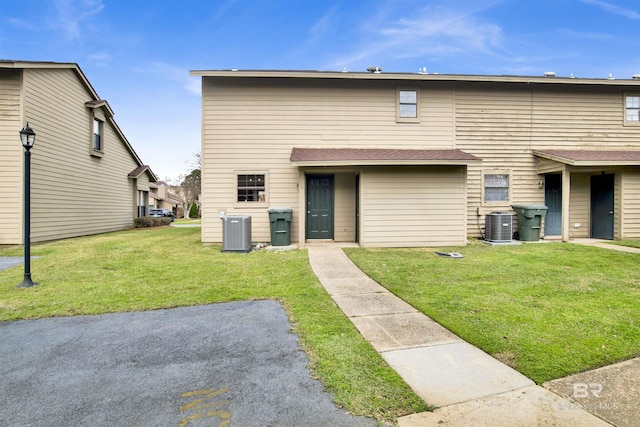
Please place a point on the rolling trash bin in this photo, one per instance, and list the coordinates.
(280, 219)
(529, 220)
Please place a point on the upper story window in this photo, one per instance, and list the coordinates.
(97, 135)
(99, 112)
(251, 188)
(496, 187)
(632, 109)
(407, 105)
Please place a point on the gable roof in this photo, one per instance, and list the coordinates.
(377, 156)
(98, 103)
(592, 157)
(140, 170)
(95, 102)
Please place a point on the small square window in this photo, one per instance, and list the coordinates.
(632, 109)
(496, 187)
(251, 188)
(407, 105)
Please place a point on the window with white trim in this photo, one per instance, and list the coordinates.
(97, 135)
(632, 109)
(251, 188)
(496, 187)
(407, 105)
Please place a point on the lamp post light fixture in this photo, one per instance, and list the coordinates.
(28, 138)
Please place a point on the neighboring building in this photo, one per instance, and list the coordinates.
(85, 176)
(390, 159)
(160, 196)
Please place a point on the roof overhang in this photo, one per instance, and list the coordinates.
(96, 102)
(350, 75)
(143, 169)
(591, 157)
(378, 157)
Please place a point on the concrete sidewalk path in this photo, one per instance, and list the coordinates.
(468, 386)
(605, 244)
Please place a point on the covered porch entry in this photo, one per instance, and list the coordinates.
(590, 193)
(381, 197)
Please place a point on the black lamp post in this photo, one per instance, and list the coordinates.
(28, 138)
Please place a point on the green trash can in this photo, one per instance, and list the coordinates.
(529, 220)
(280, 219)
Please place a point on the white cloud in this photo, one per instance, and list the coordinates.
(70, 15)
(100, 59)
(442, 33)
(178, 75)
(432, 31)
(615, 9)
(24, 24)
(323, 25)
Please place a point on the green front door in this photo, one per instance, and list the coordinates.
(553, 200)
(602, 206)
(319, 207)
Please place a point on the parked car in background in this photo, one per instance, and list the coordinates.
(160, 213)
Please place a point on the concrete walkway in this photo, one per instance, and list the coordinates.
(604, 244)
(469, 387)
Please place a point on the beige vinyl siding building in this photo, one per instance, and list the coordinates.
(416, 159)
(11, 157)
(77, 188)
(161, 197)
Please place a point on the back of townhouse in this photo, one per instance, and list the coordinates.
(528, 134)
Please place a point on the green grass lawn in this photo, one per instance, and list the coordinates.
(166, 267)
(187, 221)
(548, 310)
(631, 243)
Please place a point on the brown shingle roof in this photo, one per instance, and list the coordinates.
(138, 171)
(591, 157)
(379, 156)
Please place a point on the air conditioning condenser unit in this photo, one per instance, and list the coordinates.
(236, 233)
(498, 227)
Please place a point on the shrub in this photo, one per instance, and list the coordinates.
(146, 222)
(194, 212)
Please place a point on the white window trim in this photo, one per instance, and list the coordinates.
(100, 124)
(236, 203)
(505, 203)
(97, 153)
(407, 119)
(624, 109)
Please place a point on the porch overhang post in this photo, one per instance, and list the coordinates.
(566, 193)
(302, 208)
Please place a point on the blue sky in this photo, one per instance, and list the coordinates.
(137, 53)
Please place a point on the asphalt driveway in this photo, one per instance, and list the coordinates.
(10, 261)
(232, 364)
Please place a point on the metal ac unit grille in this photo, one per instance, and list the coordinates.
(236, 233)
(498, 227)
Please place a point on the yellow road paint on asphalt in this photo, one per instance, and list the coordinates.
(203, 403)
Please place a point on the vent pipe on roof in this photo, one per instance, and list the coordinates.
(376, 70)
(549, 73)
